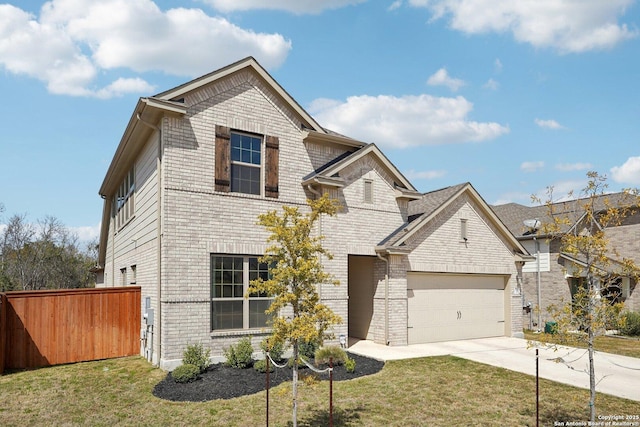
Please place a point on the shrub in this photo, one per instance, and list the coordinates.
(350, 365)
(185, 373)
(323, 354)
(308, 348)
(240, 355)
(631, 323)
(196, 355)
(273, 347)
(261, 366)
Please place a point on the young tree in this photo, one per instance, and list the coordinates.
(581, 226)
(296, 270)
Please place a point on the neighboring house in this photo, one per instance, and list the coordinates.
(558, 275)
(198, 163)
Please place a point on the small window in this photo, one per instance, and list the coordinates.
(368, 191)
(463, 230)
(246, 160)
(123, 277)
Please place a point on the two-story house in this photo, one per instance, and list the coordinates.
(198, 163)
(553, 276)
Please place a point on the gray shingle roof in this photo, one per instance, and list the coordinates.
(513, 214)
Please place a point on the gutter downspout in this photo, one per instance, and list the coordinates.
(158, 322)
(386, 299)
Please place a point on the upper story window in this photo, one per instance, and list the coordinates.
(246, 163)
(123, 200)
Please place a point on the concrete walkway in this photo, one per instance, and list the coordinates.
(618, 375)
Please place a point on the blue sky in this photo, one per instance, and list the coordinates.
(510, 96)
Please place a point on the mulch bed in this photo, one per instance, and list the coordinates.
(222, 382)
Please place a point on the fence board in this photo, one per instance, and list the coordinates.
(42, 328)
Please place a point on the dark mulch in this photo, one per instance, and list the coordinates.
(222, 382)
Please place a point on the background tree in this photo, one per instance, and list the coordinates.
(296, 270)
(581, 227)
(45, 255)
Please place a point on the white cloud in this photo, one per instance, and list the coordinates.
(395, 5)
(406, 121)
(432, 174)
(565, 25)
(569, 167)
(548, 124)
(531, 166)
(491, 84)
(73, 41)
(628, 173)
(86, 233)
(442, 78)
(294, 6)
(122, 86)
(497, 65)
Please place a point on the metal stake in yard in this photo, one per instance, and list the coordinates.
(268, 369)
(331, 392)
(537, 392)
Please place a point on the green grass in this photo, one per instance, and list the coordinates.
(624, 346)
(437, 391)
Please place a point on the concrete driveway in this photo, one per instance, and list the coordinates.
(618, 375)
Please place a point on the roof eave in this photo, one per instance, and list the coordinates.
(324, 181)
(151, 110)
(323, 137)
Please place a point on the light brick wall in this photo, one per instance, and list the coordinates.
(438, 248)
(200, 221)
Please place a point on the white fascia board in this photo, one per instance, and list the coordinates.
(315, 136)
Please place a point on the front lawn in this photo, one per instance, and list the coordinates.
(437, 391)
(624, 346)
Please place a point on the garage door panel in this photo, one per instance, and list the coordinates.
(450, 307)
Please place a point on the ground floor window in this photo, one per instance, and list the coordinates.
(230, 278)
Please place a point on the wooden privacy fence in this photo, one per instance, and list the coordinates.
(43, 328)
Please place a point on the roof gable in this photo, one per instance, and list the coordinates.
(330, 172)
(424, 210)
(250, 63)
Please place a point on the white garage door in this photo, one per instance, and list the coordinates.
(444, 307)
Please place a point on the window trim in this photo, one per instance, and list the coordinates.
(246, 314)
(240, 163)
(124, 200)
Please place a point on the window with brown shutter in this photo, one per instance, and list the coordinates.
(239, 162)
(223, 159)
(272, 146)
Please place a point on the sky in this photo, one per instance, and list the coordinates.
(513, 97)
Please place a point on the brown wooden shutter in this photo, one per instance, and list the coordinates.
(272, 145)
(223, 159)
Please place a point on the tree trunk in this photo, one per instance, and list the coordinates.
(592, 373)
(295, 383)
(591, 337)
